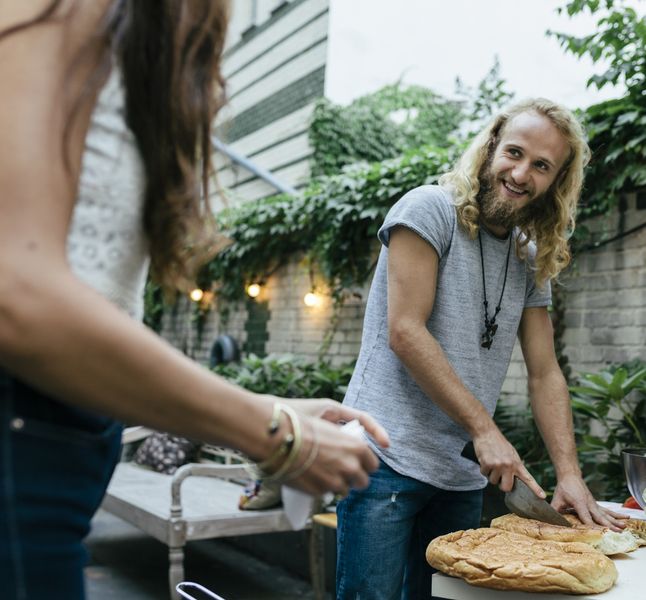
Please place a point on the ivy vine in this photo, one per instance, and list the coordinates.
(154, 305)
(616, 128)
(333, 224)
(379, 126)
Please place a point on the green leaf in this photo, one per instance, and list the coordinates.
(601, 380)
(586, 409)
(610, 469)
(584, 391)
(634, 381)
(615, 388)
(628, 117)
(594, 442)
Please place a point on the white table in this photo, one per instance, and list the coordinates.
(629, 586)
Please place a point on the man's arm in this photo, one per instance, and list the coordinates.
(412, 280)
(550, 403)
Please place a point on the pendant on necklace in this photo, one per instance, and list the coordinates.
(486, 339)
(490, 331)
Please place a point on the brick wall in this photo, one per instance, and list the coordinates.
(606, 294)
(605, 298)
(279, 310)
(178, 327)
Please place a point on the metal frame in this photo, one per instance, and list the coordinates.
(200, 501)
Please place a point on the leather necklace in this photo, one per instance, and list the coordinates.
(490, 323)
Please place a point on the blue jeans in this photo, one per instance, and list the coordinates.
(383, 532)
(55, 464)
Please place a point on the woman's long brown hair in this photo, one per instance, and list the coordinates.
(169, 52)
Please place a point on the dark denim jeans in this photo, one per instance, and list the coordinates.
(383, 532)
(55, 464)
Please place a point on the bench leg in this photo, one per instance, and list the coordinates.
(175, 570)
(317, 561)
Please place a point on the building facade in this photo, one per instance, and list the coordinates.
(274, 65)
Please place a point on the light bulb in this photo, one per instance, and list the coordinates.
(196, 295)
(311, 299)
(253, 290)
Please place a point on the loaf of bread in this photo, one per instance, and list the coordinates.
(603, 539)
(638, 528)
(502, 560)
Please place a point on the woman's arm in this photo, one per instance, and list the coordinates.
(61, 336)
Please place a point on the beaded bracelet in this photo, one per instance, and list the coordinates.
(274, 424)
(284, 447)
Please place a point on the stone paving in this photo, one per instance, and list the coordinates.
(126, 564)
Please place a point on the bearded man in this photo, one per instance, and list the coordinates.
(464, 268)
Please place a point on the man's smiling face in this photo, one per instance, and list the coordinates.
(525, 163)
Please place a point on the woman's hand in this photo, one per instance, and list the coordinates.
(337, 413)
(339, 461)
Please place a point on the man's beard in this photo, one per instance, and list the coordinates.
(498, 211)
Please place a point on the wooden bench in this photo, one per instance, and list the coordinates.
(200, 501)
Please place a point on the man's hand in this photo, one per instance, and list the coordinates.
(500, 463)
(572, 493)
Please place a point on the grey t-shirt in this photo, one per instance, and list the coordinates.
(425, 442)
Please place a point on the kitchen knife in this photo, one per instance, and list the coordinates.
(522, 501)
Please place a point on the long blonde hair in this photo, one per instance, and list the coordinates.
(556, 223)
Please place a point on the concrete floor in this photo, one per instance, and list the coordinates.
(126, 564)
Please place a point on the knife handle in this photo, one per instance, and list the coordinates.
(469, 452)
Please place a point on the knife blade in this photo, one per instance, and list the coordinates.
(521, 500)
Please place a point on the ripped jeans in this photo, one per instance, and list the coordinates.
(383, 532)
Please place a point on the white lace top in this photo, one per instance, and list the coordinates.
(106, 245)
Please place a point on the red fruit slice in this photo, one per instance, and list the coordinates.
(631, 503)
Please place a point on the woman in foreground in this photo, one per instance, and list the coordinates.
(86, 196)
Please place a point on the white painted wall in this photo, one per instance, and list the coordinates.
(275, 56)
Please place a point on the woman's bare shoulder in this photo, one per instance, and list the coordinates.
(81, 13)
(38, 81)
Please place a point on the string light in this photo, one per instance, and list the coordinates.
(196, 295)
(311, 299)
(253, 290)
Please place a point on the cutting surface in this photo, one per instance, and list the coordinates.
(630, 583)
(629, 586)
